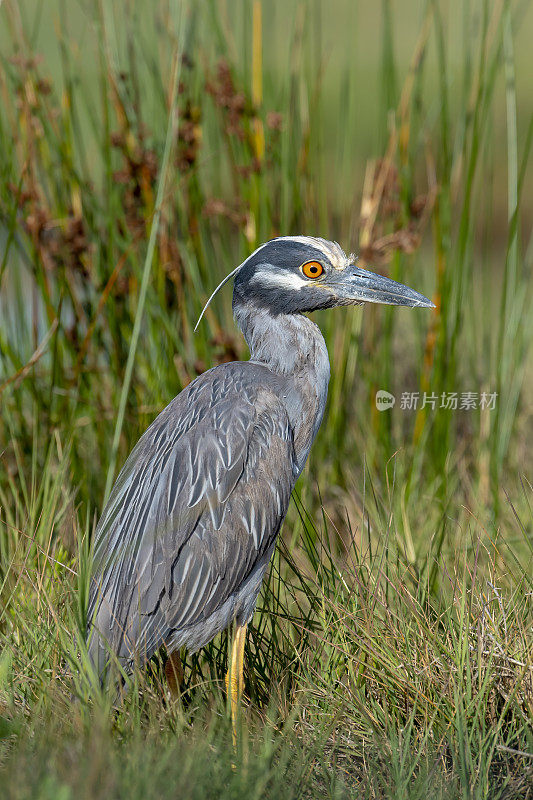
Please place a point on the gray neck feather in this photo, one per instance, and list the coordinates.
(286, 343)
(291, 346)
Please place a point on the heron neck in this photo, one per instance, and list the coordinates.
(292, 346)
(288, 344)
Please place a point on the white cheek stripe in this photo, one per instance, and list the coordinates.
(287, 280)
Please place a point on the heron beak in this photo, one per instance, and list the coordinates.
(360, 286)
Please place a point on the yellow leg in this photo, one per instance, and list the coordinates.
(234, 678)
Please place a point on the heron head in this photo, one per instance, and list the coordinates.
(293, 274)
(302, 273)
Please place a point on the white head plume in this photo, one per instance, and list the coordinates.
(220, 285)
(227, 278)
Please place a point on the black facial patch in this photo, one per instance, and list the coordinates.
(279, 254)
(284, 256)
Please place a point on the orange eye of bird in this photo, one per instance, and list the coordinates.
(312, 269)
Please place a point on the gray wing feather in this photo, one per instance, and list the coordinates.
(197, 506)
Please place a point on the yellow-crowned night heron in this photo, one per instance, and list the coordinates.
(192, 521)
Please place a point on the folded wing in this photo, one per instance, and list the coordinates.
(197, 506)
